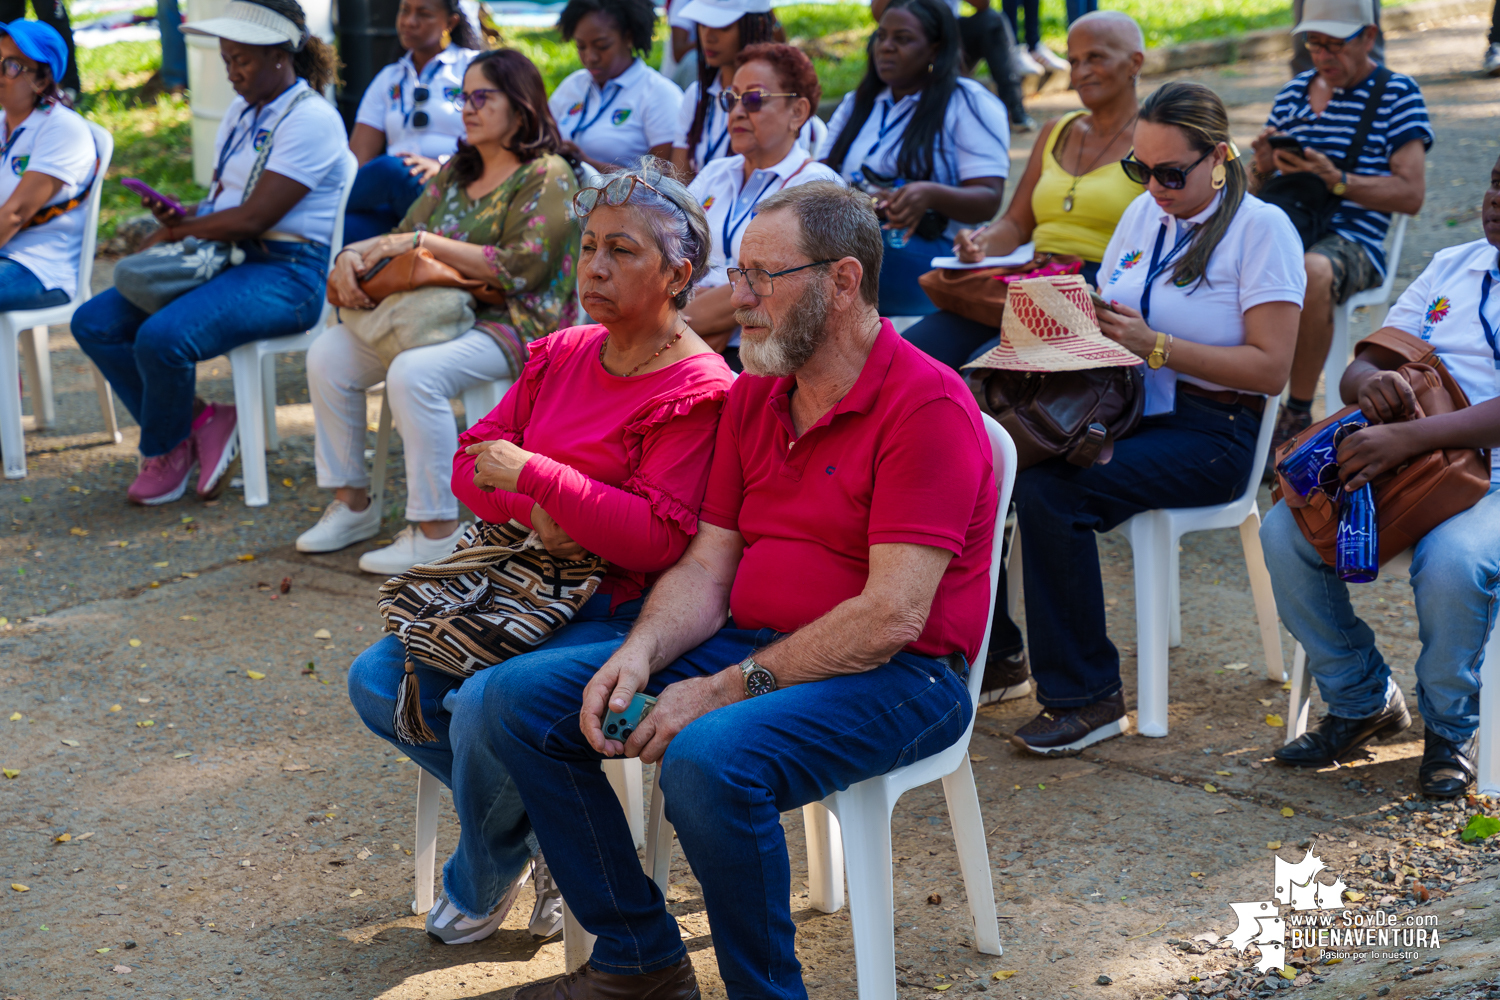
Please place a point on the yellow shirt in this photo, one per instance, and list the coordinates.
(1099, 199)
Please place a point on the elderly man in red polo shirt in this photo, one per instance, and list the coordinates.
(817, 632)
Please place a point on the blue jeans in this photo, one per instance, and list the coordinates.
(21, 289)
(728, 777)
(1197, 456)
(900, 294)
(495, 840)
(1455, 580)
(151, 360)
(383, 190)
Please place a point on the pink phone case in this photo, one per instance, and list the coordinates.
(144, 189)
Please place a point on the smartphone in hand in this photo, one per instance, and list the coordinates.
(147, 191)
(619, 725)
(1285, 143)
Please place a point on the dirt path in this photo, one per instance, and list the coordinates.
(252, 840)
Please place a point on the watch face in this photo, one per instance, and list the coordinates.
(760, 681)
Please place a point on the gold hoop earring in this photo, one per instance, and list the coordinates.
(447, 38)
(1218, 176)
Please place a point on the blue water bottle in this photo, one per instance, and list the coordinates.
(896, 238)
(1358, 541)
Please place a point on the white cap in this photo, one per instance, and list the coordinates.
(249, 24)
(722, 13)
(1337, 18)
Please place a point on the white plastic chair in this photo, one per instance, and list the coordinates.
(851, 829)
(1338, 348)
(30, 325)
(253, 366)
(1488, 762)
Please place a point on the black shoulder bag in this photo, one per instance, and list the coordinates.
(1303, 196)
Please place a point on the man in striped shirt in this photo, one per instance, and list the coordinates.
(1322, 109)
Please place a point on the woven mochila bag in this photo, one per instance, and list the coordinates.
(498, 594)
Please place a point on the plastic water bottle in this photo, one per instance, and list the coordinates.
(1358, 542)
(896, 238)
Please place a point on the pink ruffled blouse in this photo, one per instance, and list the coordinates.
(621, 463)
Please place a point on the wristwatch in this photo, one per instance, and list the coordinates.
(1158, 355)
(1342, 185)
(758, 680)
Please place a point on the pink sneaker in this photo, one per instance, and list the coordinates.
(216, 437)
(163, 478)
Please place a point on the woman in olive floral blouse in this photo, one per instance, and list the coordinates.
(500, 211)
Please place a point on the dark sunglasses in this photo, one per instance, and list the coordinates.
(14, 67)
(1333, 47)
(753, 100)
(1329, 476)
(1171, 178)
(476, 97)
(420, 119)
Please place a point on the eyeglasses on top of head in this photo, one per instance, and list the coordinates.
(753, 100)
(761, 281)
(1334, 46)
(1171, 178)
(616, 193)
(14, 67)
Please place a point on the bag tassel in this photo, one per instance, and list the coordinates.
(409, 726)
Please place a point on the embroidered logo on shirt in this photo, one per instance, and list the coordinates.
(575, 109)
(395, 91)
(261, 138)
(1127, 261)
(618, 118)
(18, 164)
(452, 94)
(708, 203)
(1437, 311)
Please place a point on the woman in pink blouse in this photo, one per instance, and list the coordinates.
(602, 445)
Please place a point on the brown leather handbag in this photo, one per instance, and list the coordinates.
(416, 268)
(979, 293)
(1411, 499)
(1077, 415)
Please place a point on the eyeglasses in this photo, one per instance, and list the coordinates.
(760, 279)
(1171, 178)
(614, 194)
(476, 97)
(1333, 47)
(420, 119)
(1330, 476)
(753, 100)
(14, 67)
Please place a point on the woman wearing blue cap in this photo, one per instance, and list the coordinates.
(47, 162)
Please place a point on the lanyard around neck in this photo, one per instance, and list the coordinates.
(732, 226)
(713, 148)
(1489, 331)
(884, 128)
(14, 135)
(1158, 266)
(232, 145)
(433, 65)
(584, 126)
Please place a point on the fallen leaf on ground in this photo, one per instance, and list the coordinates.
(275, 878)
(19, 887)
(179, 756)
(255, 675)
(146, 723)
(187, 618)
(1235, 666)
(1288, 812)
(1268, 702)
(123, 969)
(286, 482)
(135, 642)
(1480, 828)
(400, 759)
(322, 633)
(84, 836)
(1209, 788)
(294, 767)
(15, 717)
(247, 557)
(942, 987)
(1275, 721)
(356, 892)
(162, 565)
(10, 772)
(62, 838)
(80, 532)
(71, 743)
(189, 576)
(114, 708)
(1196, 874)
(286, 585)
(365, 853)
(1005, 973)
(933, 899)
(1273, 845)
(144, 700)
(1224, 773)
(1220, 812)
(979, 760)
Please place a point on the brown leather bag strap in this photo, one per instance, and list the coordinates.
(1407, 347)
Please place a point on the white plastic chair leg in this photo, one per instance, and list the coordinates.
(625, 777)
(1174, 593)
(39, 376)
(1489, 718)
(1014, 586)
(825, 858)
(107, 405)
(250, 405)
(425, 855)
(1338, 356)
(1265, 598)
(12, 437)
(973, 856)
(578, 944)
(382, 455)
(659, 839)
(268, 399)
(1300, 698)
(1149, 541)
(866, 822)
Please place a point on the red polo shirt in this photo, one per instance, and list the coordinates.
(902, 458)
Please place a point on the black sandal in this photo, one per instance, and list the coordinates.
(1447, 767)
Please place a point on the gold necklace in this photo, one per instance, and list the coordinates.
(665, 347)
(1068, 198)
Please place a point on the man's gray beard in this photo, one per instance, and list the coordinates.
(789, 346)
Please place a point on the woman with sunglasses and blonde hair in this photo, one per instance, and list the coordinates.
(602, 446)
(497, 212)
(1206, 283)
(771, 96)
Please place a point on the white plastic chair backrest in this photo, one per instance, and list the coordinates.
(1393, 256)
(1004, 450)
(104, 148)
(351, 168)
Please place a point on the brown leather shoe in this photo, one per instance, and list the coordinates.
(674, 983)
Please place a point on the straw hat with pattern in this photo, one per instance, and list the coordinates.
(1050, 326)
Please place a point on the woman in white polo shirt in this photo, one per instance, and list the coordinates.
(410, 118)
(47, 162)
(1454, 305)
(277, 70)
(616, 109)
(932, 147)
(772, 94)
(1207, 281)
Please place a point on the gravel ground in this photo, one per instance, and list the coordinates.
(177, 828)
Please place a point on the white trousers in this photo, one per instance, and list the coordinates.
(419, 384)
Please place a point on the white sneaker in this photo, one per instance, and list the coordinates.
(446, 923)
(410, 548)
(1050, 60)
(1492, 60)
(340, 527)
(1026, 65)
(547, 914)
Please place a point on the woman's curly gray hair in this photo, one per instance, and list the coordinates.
(677, 223)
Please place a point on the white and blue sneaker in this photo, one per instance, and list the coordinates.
(447, 924)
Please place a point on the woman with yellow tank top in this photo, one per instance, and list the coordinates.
(1073, 191)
